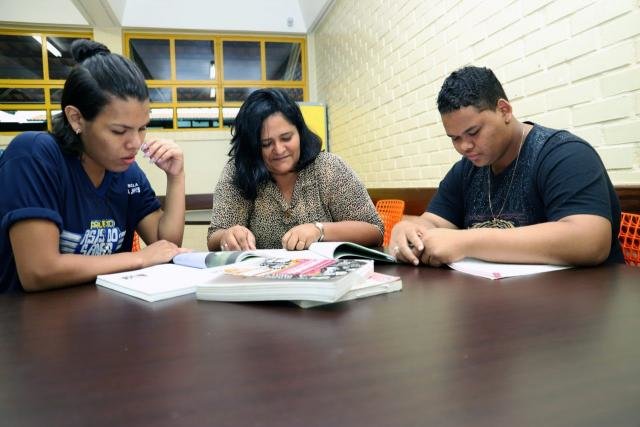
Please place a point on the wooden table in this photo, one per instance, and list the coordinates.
(555, 349)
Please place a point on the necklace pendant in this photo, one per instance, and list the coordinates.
(501, 223)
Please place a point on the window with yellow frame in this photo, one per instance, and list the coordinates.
(33, 67)
(200, 81)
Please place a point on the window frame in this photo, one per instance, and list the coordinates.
(45, 83)
(219, 83)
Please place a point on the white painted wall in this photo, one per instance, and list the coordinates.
(58, 12)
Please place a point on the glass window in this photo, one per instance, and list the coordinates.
(161, 118)
(159, 94)
(196, 94)
(229, 115)
(33, 66)
(21, 57)
(241, 60)
(59, 56)
(56, 95)
(21, 95)
(205, 78)
(22, 120)
(237, 94)
(284, 61)
(195, 60)
(198, 118)
(152, 56)
(294, 93)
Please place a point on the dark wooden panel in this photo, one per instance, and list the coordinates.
(629, 196)
(416, 199)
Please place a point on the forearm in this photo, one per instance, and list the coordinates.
(171, 224)
(359, 232)
(63, 270)
(556, 242)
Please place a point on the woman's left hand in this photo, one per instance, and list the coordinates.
(166, 154)
(300, 237)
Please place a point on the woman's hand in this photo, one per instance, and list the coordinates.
(300, 237)
(159, 252)
(237, 238)
(166, 154)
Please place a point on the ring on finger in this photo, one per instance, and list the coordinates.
(395, 249)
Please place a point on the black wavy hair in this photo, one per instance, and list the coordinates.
(98, 76)
(246, 147)
(470, 86)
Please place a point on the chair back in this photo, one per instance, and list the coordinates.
(391, 211)
(629, 237)
(135, 247)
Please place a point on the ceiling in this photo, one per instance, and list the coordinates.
(273, 16)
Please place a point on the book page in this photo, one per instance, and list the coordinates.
(493, 270)
(220, 258)
(349, 249)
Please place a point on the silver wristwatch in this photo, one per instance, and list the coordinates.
(320, 227)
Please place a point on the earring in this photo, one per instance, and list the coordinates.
(78, 131)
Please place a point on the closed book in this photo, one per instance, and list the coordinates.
(157, 282)
(375, 284)
(273, 279)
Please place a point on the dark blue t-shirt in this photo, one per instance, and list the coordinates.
(37, 180)
(557, 174)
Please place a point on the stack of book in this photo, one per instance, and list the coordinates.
(307, 278)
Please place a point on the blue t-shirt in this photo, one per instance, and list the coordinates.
(557, 174)
(37, 180)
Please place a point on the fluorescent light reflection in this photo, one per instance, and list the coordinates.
(51, 48)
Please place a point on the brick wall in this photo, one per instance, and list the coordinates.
(379, 65)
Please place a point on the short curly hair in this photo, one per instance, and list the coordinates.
(470, 86)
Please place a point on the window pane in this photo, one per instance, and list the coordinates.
(196, 94)
(237, 94)
(20, 95)
(283, 61)
(160, 94)
(241, 60)
(11, 120)
(20, 57)
(56, 95)
(60, 60)
(152, 56)
(229, 115)
(198, 117)
(161, 118)
(195, 60)
(294, 93)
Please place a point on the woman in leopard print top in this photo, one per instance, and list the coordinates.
(279, 190)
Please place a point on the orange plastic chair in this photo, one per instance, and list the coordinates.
(391, 211)
(629, 237)
(135, 247)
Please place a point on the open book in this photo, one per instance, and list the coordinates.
(322, 250)
(269, 279)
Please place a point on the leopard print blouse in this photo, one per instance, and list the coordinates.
(327, 190)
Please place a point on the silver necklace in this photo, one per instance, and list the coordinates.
(496, 222)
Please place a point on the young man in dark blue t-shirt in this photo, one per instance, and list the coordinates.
(522, 193)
